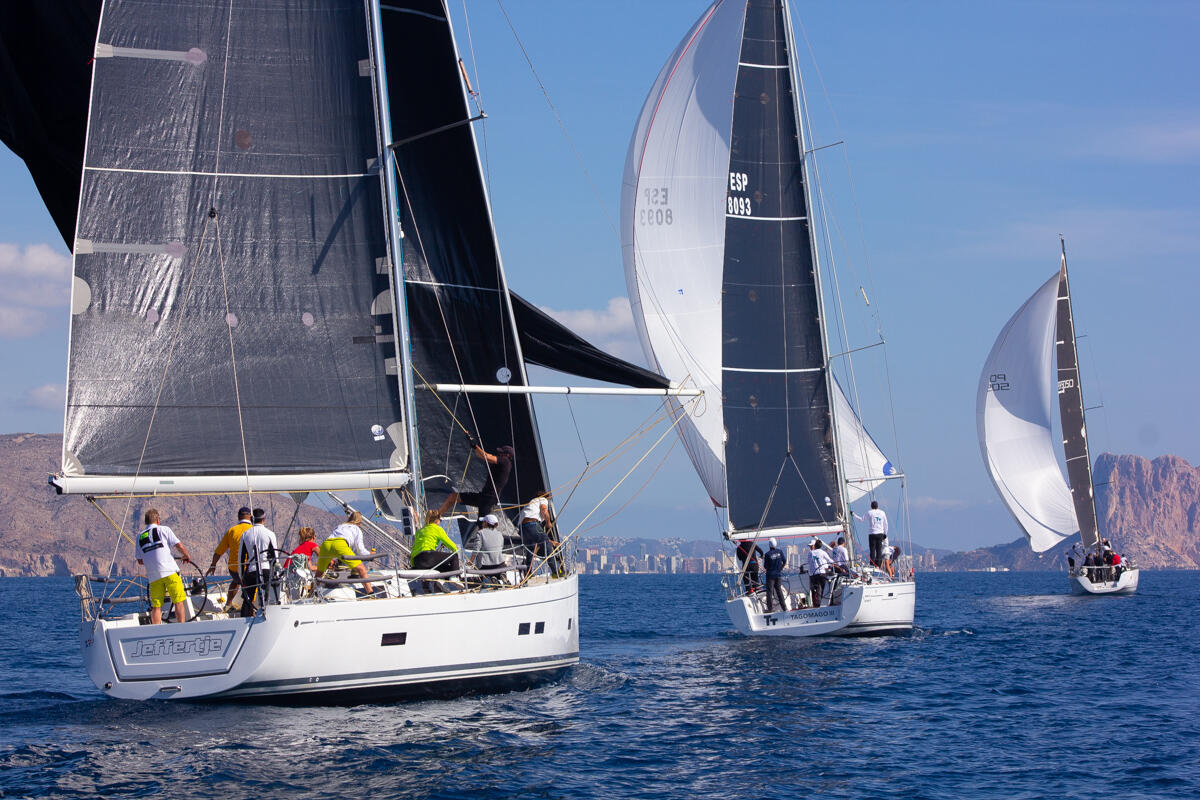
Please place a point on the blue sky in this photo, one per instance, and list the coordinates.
(975, 134)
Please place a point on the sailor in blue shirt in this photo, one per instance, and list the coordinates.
(775, 561)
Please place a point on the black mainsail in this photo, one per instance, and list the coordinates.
(230, 316)
(775, 381)
(44, 116)
(1071, 414)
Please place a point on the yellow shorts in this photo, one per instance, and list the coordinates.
(338, 548)
(172, 586)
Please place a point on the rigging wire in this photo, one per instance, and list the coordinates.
(876, 313)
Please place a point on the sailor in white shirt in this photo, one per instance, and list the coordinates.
(877, 531)
(257, 559)
(162, 573)
(820, 564)
(841, 557)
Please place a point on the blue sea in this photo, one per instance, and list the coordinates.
(1010, 688)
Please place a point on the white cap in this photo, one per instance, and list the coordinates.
(492, 519)
(773, 542)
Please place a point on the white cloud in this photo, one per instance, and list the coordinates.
(32, 277)
(610, 328)
(50, 395)
(16, 323)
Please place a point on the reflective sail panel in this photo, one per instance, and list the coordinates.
(1013, 417)
(230, 255)
(460, 319)
(1070, 409)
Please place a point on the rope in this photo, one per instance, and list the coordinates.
(237, 393)
(625, 477)
(561, 125)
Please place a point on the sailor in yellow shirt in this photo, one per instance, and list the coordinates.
(229, 546)
(425, 553)
(344, 544)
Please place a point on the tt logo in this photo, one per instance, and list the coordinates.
(998, 382)
(772, 620)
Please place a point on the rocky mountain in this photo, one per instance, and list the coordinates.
(43, 533)
(1148, 509)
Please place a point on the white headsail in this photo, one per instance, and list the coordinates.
(1013, 416)
(863, 463)
(675, 175)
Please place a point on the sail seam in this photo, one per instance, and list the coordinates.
(213, 174)
(765, 219)
(752, 369)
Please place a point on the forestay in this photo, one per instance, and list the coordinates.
(232, 310)
(1013, 416)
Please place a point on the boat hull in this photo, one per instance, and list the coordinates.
(366, 649)
(865, 609)
(1127, 583)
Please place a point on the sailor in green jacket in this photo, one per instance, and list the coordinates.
(425, 553)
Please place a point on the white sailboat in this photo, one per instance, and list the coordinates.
(1013, 415)
(287, 280)
(723, 272)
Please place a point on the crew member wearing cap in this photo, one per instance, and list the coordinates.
(486, 543)
(775, 561)
(257, 558)
(425, 553)
(229, 546)
(344, 544)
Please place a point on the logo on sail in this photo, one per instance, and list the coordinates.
(1069, 383)
(998, 382)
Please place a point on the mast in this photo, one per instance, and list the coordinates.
(1071, 412)
(395, 236)
(801, 119)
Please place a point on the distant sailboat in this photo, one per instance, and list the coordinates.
(725, 282)
(1013, 413)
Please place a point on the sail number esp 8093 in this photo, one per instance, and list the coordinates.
(655, 210)
(736, 205)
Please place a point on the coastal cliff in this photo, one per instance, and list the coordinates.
(1147, 509)
(43, 533)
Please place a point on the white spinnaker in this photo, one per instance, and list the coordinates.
(863, 463)
(1013, 415)
(673, 223)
